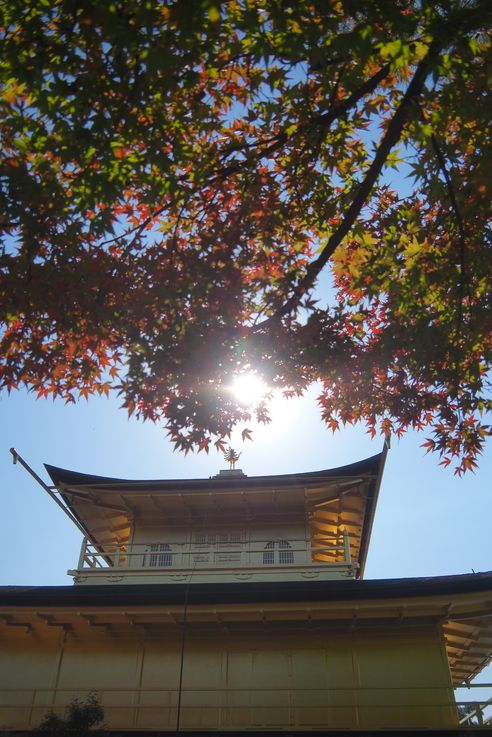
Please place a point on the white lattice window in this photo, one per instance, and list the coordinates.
(218, 537)
(278, 551)
(160, 555)
(285, 554)
(269, 554)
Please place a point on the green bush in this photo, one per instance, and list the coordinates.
(83, 716)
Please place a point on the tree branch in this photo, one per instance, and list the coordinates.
(324, 120)
(459, 221)
(461, 230)
(276, 142)
(390, 139)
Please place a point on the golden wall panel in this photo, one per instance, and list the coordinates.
(330, 676)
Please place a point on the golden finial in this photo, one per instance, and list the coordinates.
(231, 457)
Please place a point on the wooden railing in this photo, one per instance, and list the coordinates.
(318, 708)
(190, 555)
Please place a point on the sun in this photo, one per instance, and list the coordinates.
(249, 389)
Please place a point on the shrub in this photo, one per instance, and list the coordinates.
(82, 717)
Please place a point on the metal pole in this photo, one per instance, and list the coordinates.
(183, 644)
(18, 459)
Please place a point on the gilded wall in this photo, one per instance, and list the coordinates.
(316, 675)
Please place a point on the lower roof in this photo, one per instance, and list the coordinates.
(250, 593)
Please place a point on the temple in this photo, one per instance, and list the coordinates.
(238, 604)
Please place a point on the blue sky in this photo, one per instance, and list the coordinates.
(428, 522)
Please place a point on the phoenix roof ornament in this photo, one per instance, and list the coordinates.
(231, 457)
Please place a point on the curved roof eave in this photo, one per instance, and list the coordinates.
(63, 477)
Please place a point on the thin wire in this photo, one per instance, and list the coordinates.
(183, 645)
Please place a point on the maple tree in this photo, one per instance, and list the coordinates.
(192, 190)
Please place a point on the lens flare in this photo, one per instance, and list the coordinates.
(249, 389)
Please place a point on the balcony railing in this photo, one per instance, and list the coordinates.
(186, 555)
(257, 708)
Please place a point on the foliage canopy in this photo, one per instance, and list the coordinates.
(177, 179)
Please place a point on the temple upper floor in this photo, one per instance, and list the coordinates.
(215, 554)
(228, 528)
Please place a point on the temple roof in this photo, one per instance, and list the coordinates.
(334, 500)
(63, 477)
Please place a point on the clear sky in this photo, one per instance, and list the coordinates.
(428, 522)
